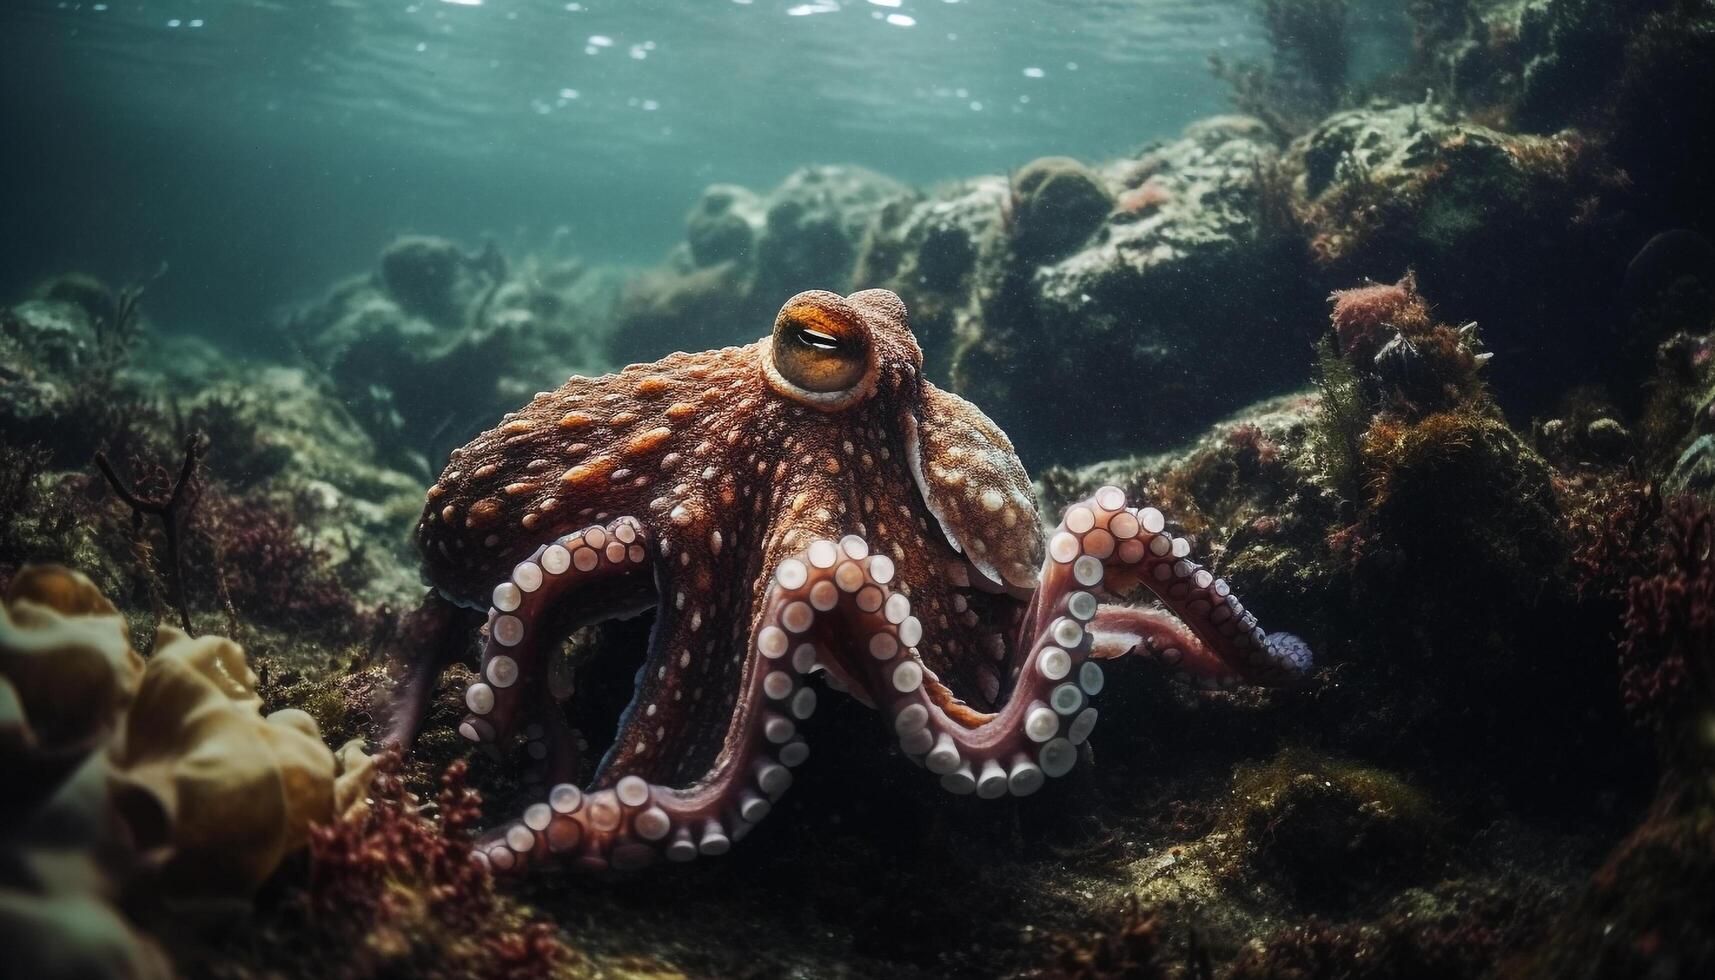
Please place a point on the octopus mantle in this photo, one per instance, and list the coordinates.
(803, 514)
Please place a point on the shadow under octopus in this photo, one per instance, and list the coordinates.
(806, 506)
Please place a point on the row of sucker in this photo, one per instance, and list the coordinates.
(517, 637)
(635, 822)
(869, 636)
(1103, 536)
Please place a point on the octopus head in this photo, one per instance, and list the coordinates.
(843, 356)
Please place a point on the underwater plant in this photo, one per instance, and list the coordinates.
(171, 509)
(390, 890)
(1305, 77)
(1667, 653)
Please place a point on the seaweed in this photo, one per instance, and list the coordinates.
(1667, 653)
(1337, 430)
(390, 890)
(1305, 76)
(172, 509)
(1132, 944)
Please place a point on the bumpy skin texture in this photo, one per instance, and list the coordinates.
(805, 504)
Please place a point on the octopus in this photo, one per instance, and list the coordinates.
(805, 514)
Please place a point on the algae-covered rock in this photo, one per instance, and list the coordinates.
(723, 225)
(816, 221)
(1328, 829)
(1056, 203)
(926, 249)
(430, 278)
(437, 342)
(1415, 187)
(1133, 339)
(744, 254)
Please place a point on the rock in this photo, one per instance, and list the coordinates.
(1056, 204)
(724, 225)
(1163, 322)
(925, 248)
(1388, 189)
(816, 221)
(713, 289)
(1329, 830)
(432, 279)
(439, 343)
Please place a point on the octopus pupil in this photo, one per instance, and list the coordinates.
(818, 340)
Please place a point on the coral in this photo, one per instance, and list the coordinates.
(171, 510)
(67, 674)
(161, 771)
(1055, 204)
(238, 790)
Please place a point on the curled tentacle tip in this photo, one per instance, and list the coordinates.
(1290, 653)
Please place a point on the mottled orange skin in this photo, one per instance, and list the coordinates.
(729, 473)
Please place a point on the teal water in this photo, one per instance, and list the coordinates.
(266, 147)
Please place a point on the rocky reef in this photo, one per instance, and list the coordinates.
(1423, 364)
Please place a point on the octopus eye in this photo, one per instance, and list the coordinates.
(819, 349)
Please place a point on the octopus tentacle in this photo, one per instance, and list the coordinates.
(636, 821)
(438, 632)
(519, 638)
(842, 597)
(1210, 639)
